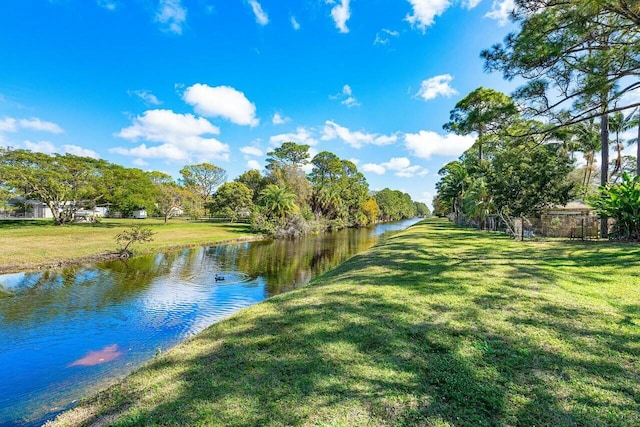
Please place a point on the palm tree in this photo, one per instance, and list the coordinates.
(328, 201)
(279, 201)
(452, 185)
(618, 123)
(587, 135)
(477, 201)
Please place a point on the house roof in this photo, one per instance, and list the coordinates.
(573, 206)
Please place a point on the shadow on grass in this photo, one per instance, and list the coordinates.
(399, 336)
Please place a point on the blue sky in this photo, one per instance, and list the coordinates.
(158, 84)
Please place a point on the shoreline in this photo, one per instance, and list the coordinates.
(112, 256)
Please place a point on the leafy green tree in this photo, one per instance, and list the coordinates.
(202, 180)
(621, 202)
(483, 112)
(395, 205)
(440, 208)
(288, 154)
(128, 189)
(65, 183)
(478, 201)
(285, 164)
(254, 180)
(327, 168)
(578, 57)
(170, 196)
(527, 176)
(422, 210)
(279, 202)
(232, 200)
(135, 234)
(452, 186)
(371, 210)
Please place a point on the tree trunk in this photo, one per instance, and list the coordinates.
(604, 168)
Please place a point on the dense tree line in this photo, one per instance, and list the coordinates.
(581, 64)
(284, 202)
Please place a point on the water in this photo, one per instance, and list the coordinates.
(67, 333)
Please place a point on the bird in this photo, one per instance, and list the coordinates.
(218, 277)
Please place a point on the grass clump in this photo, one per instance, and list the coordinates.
(437, 326)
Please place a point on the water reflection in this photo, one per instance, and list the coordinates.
(65, 333)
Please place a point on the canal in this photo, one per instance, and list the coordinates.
(65, 334)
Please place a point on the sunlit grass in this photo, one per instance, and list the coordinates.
(438, 326)
(30, 244)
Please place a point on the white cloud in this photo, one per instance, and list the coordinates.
(302, 136)
(294, 23)
(164, 151)
(107, 4)
(140, 162)
(251, 151)
(374, 168)
(424, 12)
(356, 139)
(48, 147)
(341, 14)
(426, 144)
(182, 137)
(355, 161)
(279, 120)
(40, 125)
(400, 165)
(80, 151)
(254, 164)
(8, 124)
(501, 10)
(221, 101)
(148, 97)
(40, 147)
(171, 15)
(166, 126)
(470, 4)
(433, 87)
(261, 16)
(347, 97)
(384, 37)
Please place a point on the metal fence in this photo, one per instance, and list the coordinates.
(570, 226)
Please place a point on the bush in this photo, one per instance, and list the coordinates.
(135, 234)
(296, 226)
(621, 202)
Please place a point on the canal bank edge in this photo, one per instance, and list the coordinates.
(110, 256)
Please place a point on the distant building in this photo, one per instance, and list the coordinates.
(139, 214)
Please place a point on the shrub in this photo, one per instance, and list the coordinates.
(621, 202)
(135, 234)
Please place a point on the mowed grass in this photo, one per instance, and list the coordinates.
(28, 244)
(437, 326)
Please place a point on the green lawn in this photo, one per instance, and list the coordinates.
(437, 326)
(28, 244)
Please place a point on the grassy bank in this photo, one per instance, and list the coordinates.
(436, 326)
(26, 245)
